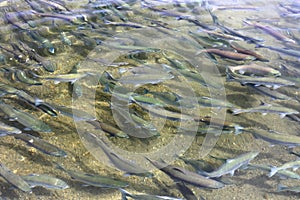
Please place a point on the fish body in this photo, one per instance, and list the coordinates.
(24, 118)
(120, 163)
(23, 77)
(14, 179)
(275, 138)
(268, 108)
(254, 69)
(229, 54)
(290, 52)
(6, 130)
(294, 165)
(72, 78)
(270, 82)
(41, 145)
(142, 79)
(282, 188)
(77, 115)
(126, 194)
(281, 173)
(95, 180)
(276, 34)
(46, 181)
(233, 164)
(184, 175)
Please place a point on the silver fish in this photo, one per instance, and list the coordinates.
(126, 194)
(46, 181)
(233, 164)
(119, 162)
(95, 180)
(41, 145)
(6, 130)
(271, 82)
(26, 119)
(268, 108)
(281, 173)
(294, 165)
(181, 174)
(254, 69)
(275, 138)
(14, 179)
(282, 188)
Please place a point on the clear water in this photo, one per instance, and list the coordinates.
(106, 41)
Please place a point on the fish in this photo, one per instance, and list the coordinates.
(57, 5)
(275, 138)
(75, 114)
(180, 174)
(95, 180)
(282, 188)
(146, 99)
(161, 112)
(126, 194)
(185, 191)
(48, 65)
(45, 43)
(293, 164)
(233, 164)
(274, 94)
(122, 164)
(249, 52)
(77, 19)
(268, 29)
(41, 145)
(14, 179)
(141, 79)
(267, 108)
(212, 102)
(290, 52)
(228, 54)
(45, 181)
(57, 78)
(270, 82)
(7, 130)
(23, 77)
(281, 173)
(254, 69)
(26, 119)
(65, 39)
(109, 129)
(232, 31)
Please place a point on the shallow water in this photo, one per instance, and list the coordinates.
(120, 35)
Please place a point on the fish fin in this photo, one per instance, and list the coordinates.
(231, 172)
(264, 114)
(56, 82)
(282, 115)
(274, 87)
(295, 168)
(38, 101)
(237, 129)
(229, 160)
(273, 171)
(242, 71)
(27, 129)
(236, 111)
(280, 187)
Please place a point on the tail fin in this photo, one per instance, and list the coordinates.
(273, 171)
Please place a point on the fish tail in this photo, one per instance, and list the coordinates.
(281, 187)
(125, 194)
(38, 101)
(273, 171)
(236, 111)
